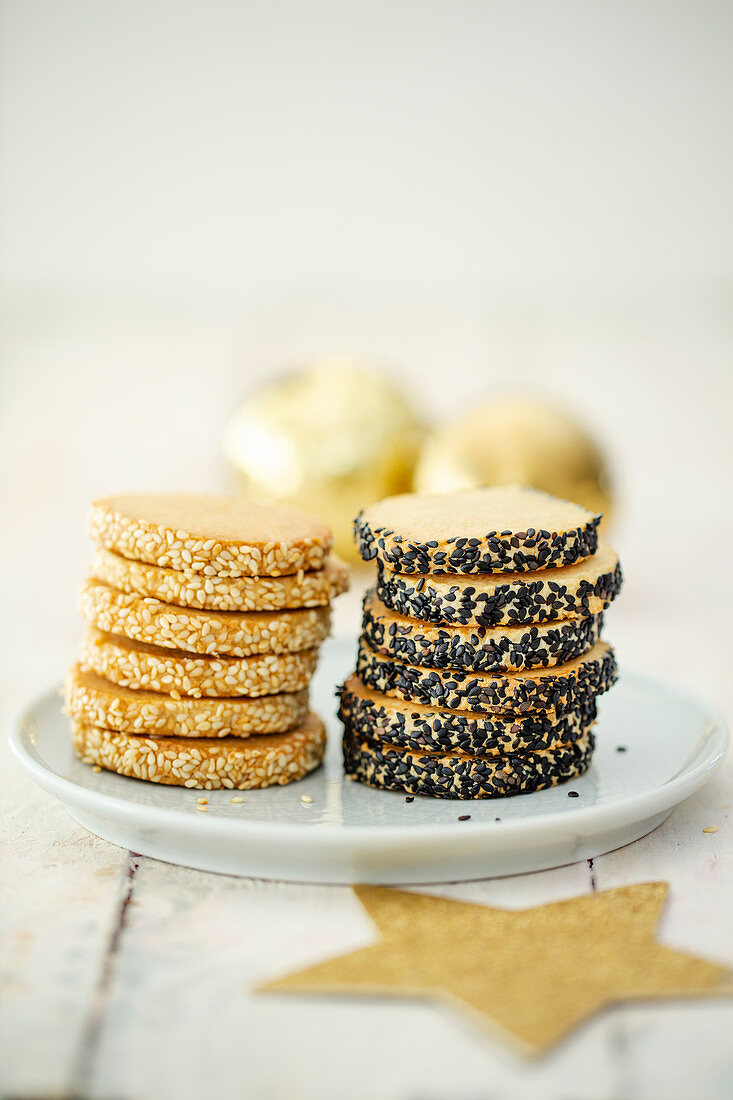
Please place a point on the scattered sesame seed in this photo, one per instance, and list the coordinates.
(237, 799)
(710, 829)
(573, 794)
(464, 817)
(305, 798)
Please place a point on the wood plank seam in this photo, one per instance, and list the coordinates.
(83, 1064)
(593, 883)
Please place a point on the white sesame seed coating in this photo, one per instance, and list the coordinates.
(238, 634)
(188, 589)
(192, 532)
(206, 764)
(98, 702)
(153, 668)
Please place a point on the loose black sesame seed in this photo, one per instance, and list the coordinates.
(621, 748)
(410, 798)
(573, 794)
(464, 817)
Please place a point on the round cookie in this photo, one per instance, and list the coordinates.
(238, 634)
(226, 536)
(208, 763)
(456, 775)
(153, 668)
(187, 589)
(572, 591)
(502, 529)
(372, 716)
(557, 689)
(481, 648)
(97, 702)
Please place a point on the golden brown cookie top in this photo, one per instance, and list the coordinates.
(475, 513)
(502, 529)
(209, 533)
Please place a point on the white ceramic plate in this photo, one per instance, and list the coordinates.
(351, 833)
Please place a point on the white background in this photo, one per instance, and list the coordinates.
(529, 195)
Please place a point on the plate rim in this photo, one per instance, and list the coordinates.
(648, 803)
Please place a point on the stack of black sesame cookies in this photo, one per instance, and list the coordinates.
(205, 614)
(480, 660)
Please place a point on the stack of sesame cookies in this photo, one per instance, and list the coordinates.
(480, 660)
(205, 614)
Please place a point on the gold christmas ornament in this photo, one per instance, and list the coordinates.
(532, 975)
(516, 440)
(331, 437)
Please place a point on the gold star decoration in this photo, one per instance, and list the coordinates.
(534, 974)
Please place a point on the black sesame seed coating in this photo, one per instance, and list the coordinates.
(496, 552)
(483, 649)
(377, 717)
(458, 776)
(561, 688)
(536, 598)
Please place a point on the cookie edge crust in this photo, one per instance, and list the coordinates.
(552, 689)
(143, 540)
(303, 589)
(538, 645)
(510, 605)
(144, 619)
(120, 753)
(393, 769)
(495, 552)
(188, 674)
(454, 731)
(164, 716)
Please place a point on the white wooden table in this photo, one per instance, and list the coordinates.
(126, 979)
